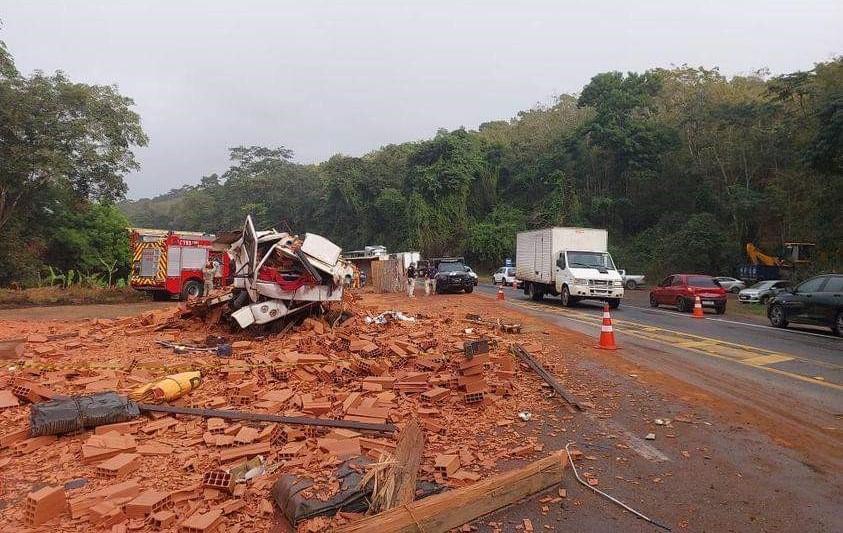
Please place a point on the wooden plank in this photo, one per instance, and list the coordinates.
(397, 485)
(453, 508)
(525, 356)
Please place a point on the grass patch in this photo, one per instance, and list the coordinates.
(42, 296)
(752, 309)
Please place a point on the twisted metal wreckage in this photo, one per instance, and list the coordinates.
(277, 274)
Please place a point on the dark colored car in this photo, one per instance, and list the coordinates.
(452, 276)
(817, 301)
(681, 290)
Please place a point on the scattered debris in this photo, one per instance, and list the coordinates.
(454, 508)
(389, 316)
(650, 436)
(525, 356)
(600, 492)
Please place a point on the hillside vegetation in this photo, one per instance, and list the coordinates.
(683, 166)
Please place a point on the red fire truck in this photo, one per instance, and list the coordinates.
(169, 263)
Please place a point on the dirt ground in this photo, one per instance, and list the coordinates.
(711, 466)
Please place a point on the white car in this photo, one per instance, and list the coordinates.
(730, 284)
(762, 291)
(471, 273)
(504, 276)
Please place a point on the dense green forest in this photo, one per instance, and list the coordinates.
(65, 148)
(682, 166)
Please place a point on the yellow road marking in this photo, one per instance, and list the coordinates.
(739, 353)
(767, 359)
(695, 344)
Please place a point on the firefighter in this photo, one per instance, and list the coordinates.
(208, 274)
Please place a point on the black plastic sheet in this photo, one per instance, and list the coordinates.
(77, 413)
(351, 498)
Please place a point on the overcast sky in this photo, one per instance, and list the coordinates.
(348, 77)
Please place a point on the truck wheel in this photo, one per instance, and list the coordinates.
(535, 294)
(837, 328)
(735, 289)
(653, 301)
(720, 309)
(191, 289)
(469, 290)
(565, 296)
(614, 303)
(682, 305)
(630, 284)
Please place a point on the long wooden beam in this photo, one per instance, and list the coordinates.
(453, 508)
(548, 378)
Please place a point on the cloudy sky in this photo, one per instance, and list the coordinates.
(327, 77)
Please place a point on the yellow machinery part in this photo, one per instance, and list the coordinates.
(756, 257)
(168, 388)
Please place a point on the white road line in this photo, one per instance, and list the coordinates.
(747, 324)
(638, 445)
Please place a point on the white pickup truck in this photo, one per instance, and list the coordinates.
(572, 263)
(631, 281)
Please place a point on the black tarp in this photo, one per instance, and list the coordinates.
(76, 413)
(287, 493)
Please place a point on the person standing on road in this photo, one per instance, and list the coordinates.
(208, 273)
(411, 280)
(430, 280)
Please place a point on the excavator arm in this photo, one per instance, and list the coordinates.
(756, 257)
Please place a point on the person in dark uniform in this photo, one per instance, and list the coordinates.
(411, 280)
(430, 281)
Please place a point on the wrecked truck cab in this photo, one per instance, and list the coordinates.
(277, 274)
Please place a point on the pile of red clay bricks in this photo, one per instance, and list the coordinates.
(168, 472)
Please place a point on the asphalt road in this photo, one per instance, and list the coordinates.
(797, 373)
(812, 352)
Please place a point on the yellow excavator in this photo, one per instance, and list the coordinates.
(795, 254)
(756, 257)
(762, 266)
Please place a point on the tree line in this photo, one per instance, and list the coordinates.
(683, 166)
(65, 148)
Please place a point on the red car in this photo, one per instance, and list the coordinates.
(681, 290)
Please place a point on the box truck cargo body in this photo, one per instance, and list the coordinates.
(572, 263)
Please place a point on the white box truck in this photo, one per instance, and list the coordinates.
(572, 263)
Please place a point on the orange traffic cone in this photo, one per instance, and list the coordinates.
(698, 312)
(607, 334)
(500, 292)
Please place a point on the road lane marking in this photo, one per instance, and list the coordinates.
(767, 359)
(638, 445)
(737, 323)
(728, 351)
